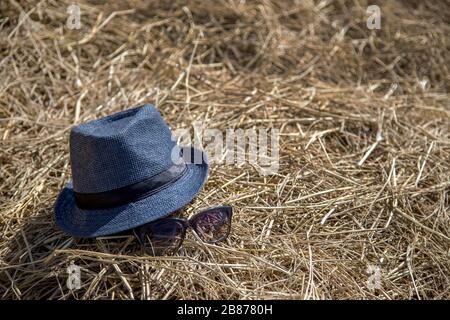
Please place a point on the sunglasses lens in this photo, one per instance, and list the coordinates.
(162, 237)
(213, 225)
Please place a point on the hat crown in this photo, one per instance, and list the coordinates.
(119, 150)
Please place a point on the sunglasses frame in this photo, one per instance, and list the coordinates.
(186, 224)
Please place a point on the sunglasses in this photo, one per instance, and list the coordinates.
(165, 236)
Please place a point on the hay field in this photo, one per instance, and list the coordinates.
(364, 116)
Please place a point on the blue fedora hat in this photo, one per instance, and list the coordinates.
(127, 170)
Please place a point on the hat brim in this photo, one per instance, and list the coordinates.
(93, 223)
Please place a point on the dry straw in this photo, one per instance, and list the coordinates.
(365, 146)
